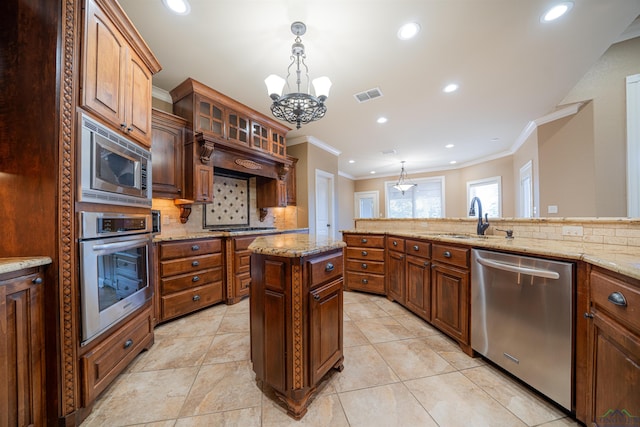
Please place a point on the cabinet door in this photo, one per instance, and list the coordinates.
(395, 276)
(204, 183)
(105, 56)
(209, 117)
(271, 193)
(138, 99)
(260, 136)
(166, 149)
(278, 144)
(325, 329)
(450, 301)
(614, 365)
(419, 286)
(291, 183)
(238, 128)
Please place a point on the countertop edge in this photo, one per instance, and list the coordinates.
(11, 264)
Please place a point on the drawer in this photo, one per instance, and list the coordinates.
(242, 284)
(365, 254)
(359, 266)
(325, 268)
(451, 255)
(190, 300)
(364, 240)
(102, 364)
(419, 248)
(365, 282)
(189, 248)
(242, 261)
(191, 280)
(603, 286)
(191, 264)
(395, 243)
(242, 243)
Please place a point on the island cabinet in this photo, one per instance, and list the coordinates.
(418, 278)
(167, 149)
(365, 269)
(613, 384)
(117, 70)
(395, 259)
(191, 276)
(22, 362)
(450, 292)
(296, 323)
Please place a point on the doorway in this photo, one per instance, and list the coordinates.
(367, 204)
(324, 205)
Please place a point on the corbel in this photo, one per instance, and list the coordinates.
(206, 147)
(283, 170)
(185, 209)
(263, 214)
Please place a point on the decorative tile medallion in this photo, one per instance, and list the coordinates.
(230, 202)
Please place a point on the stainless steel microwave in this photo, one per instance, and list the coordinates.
(113, 170)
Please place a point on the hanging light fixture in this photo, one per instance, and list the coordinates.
(298, 106)
(403, 183)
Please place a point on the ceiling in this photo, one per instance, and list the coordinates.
(510, 68)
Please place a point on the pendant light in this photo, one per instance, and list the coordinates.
(403, 183)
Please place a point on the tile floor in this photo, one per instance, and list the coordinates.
(398, 371)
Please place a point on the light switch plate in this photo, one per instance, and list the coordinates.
(552, 209)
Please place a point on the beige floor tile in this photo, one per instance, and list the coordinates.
(525, 404)
(391, 308)
(222, 387)
(363, 367)
(248, 417)
(352, 297)
(383, 329)
(416, 325)
(143, 397)
(229, 348)
(167, 423)
(178, 352)
(384, 406)
(563, 422)
(454, 401)
(234, 322)
(239, 307)
(323, 411)
(196, 325)
(352, 335)
(413, 358)
(364, 310)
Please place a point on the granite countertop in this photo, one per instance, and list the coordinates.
(293, 245)
(204, 234)
(621, 259)
(8, 265)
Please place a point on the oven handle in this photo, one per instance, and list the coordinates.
(517, 269)
(119, 245)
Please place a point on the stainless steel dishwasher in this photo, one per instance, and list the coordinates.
(522, 319)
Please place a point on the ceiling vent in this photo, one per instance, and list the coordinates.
(368, 95)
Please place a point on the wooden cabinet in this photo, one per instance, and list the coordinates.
(166, 150)
(395, 260)
(106, 359)
(291, 182)
(117, 71)
(238, 268)
(191, 276)
(418, 275)
(271, 193)
(198, 170)
(22, 362)
(613, 350)
(450, 292)
(365, 270)
(296, 323)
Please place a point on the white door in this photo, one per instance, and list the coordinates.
(633, 146)
(526, 191)
(366, 204)
(324, 204)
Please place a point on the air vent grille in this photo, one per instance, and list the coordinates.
(368, 95)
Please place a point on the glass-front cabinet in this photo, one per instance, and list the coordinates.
(210, 117)
(238, 127)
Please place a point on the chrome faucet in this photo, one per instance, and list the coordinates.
(482, 226)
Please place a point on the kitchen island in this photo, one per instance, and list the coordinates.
(296, 314)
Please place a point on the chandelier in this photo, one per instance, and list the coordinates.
(403, 183)
(298, 107)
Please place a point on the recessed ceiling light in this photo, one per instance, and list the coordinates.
(382, 120)
(556, 11)
(372, 172)
(452, 162)
(179, 7)
(352, 161)
(449, 146)
(450, 88)
(495, 139)
(408, 31)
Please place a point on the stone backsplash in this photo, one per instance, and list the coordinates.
(611, 231)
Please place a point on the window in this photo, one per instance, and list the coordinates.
(425, 200)
(489, 191)
(366, 204)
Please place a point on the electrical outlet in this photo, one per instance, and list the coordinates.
(552, 209)
(572, 230)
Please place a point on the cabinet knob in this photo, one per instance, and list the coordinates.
(329, 267)
(618, 299)
(196, 298)
(447, 254)
(195, 279)
(365, 281)
(316, 297)
(364, 253)
(37, 280)
(195, 263)
(195, 248)
(416, 248)
(363, 240)
(364, 266)
(128, 343)
(123, 125)
(426, 263)
(129, 129)
(395, 243)
(588, 316)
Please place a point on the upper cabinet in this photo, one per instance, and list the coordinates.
(117, 70)
(167, 149)
(225, 120)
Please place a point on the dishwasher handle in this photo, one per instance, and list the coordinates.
(517, 269)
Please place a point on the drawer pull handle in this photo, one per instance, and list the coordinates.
(364, 253)
(316, 297)
(363, 241)
(364, 266)
(37, 280)
(195, 248)
(365, 281)
(618, 299)
(196, 298)
(395, 243)
(195, 278)
(447, 254)
(426, 263)
(588, 316)
(195, 263)
(416, 248)
(329, 267)
(128, 343)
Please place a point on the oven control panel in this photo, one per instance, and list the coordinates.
(104, 224)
